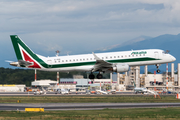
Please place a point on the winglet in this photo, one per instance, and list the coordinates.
(101, 64)
(96, 57)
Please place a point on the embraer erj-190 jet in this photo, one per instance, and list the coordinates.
(100, 62)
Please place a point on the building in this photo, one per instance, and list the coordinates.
(12, 88)
(133, 78)
(120, 82)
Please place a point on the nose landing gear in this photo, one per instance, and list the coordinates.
(157, 66)
(158, 71)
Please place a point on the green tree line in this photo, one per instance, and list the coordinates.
(26, 76)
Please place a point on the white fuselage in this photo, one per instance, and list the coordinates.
(85, 62)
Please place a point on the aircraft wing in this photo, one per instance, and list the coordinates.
(101, 65)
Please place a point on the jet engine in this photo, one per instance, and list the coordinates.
(122, 67)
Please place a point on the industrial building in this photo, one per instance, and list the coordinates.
(119, 82)
(12, 88)
(149, 81)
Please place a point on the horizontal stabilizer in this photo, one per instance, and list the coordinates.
(21, 63)
(25, 63)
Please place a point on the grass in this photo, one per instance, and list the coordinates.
(105, 114)
(88, 99)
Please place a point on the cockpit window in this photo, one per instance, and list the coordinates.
(165, 52)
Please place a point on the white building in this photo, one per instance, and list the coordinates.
(12, 88)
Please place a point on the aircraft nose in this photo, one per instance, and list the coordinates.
(173, 58)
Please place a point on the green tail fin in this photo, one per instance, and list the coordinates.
(24, 54)
(19, 45)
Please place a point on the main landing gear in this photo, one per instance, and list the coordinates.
(91, 76)
(157, 66)
(99, 76)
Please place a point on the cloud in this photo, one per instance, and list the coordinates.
(84, 26)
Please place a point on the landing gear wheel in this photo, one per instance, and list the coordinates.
(99, 76)
(158, 71)
(91, 76)
(157, 66)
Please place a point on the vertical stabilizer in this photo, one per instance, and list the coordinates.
(24, 53)
(20, 47)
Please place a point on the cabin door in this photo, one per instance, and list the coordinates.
(156, 54)
(49, 63)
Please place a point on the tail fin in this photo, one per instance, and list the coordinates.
(20, 47)
(23, 52)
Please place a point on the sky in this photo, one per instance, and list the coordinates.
(83, 26)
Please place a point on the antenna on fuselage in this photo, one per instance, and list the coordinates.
(67, 53)
(167, 51)
(57, 53)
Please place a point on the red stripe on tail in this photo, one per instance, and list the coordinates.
(27, 58)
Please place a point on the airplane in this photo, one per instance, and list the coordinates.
(99, 62)
(140, 90)
(62, 91)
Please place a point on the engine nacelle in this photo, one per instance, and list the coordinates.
(123, 67)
